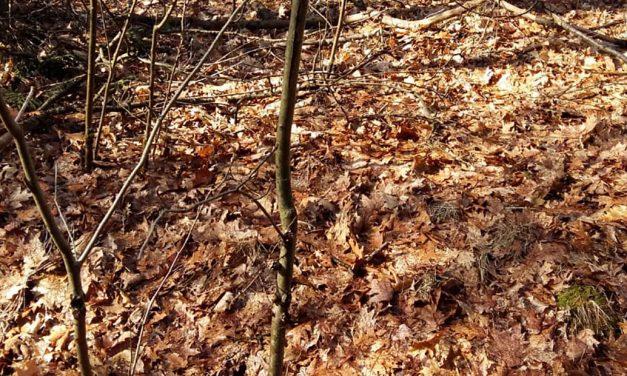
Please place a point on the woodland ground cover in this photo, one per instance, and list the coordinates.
(460, 189)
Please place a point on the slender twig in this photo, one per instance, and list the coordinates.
(151, 79)
(237, 189)
(284, 195)
(89, 93)
(104, 30)
(153, 298)
(177, 59)
(338, 32)
(112, 63)
(72, 266)
(146, 151)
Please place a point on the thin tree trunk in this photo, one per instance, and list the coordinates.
(151, 80)
(89, 96)
(338, 31)
(72, 266)
(283, 186)
(112, 64)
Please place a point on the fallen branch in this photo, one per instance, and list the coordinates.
(175, 22)
(214, 25)
(600, 47)
(622, 43)
(431, 20)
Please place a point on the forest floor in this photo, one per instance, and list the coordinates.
(462, 198)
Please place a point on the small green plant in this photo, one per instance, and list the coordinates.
(587, 308)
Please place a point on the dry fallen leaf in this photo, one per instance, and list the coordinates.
(381, 291)
(224, 303)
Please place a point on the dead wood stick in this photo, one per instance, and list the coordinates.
(362, 16)
(175, 22)
(603, 48)
(427, 22)
(215, 25)
(552, 23)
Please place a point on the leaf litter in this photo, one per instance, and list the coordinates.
(451, 192)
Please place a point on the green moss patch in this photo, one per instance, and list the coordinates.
(588, 309)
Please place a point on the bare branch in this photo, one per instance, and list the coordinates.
(427, 22)
(150, 303)
(72, 266)
(146, 151)
(112, 64)
(25, 104)
(33, 182)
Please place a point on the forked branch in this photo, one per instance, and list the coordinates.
(72, 267)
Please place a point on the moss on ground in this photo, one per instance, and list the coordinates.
(588, 309)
